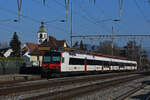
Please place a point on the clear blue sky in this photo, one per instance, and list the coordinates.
(133, 21)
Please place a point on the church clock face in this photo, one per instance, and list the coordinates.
(40, 41)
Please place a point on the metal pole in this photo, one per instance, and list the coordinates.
(133, 50)
(140, 62)
(71, 27)
(112, 45)
(44, 2)
(66, 7)
(19, 4)
(119, 9)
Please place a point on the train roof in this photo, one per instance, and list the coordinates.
(92, 53)
(73, 50)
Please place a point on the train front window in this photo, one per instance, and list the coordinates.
(52, 58)
(56, 59)
(47, 59)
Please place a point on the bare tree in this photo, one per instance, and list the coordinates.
(106, 48)
(132, 50)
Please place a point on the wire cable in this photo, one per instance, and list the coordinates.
(83, 17)
(15, 13)
(140, 10)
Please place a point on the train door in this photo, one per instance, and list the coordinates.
(64, 62)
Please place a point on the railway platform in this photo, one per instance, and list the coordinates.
(18, 77)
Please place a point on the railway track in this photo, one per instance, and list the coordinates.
(80, 91)
(133, 91)
(29, 86)
(129, 93)
(19, 88)
(17, 82)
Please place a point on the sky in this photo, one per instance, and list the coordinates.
(88, 19)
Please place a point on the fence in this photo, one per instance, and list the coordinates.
(17, 67)
(10, 66)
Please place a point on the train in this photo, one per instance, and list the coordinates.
(71, 62)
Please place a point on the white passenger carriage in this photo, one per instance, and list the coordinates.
(84, 62)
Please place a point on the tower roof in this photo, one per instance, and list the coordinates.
(42, 28)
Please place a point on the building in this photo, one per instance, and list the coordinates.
(33, 52)
(5, 52)
(52, 42)
(42, 33)
(48, 44)
(27, 49)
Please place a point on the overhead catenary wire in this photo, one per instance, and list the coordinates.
(6, 20)
(6, 29)
(141, 12)
(47, 6)
(15, 13)
(29, 18)
(91, 17)
(84, 17)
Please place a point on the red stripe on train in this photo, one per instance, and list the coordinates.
(85, 65)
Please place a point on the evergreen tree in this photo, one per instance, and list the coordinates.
(81, 45)
(15, 45)
(76, 44)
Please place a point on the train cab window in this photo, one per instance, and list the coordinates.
(56, 59)
(47, 59)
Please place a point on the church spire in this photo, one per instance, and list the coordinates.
(42, 33)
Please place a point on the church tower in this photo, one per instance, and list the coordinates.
(42, 33)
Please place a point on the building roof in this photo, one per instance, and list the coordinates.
(42, 28)
(36, 52)
(3, 50)
(30, 46)
(48, 44)
(52, 42)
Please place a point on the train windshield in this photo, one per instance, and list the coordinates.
(52, 58)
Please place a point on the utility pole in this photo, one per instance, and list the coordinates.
(120, 8)
(71, 27)
(140, 55)
(112, 45)
(66, 8)
(19, 4)
(44, 2)
(133, 50)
